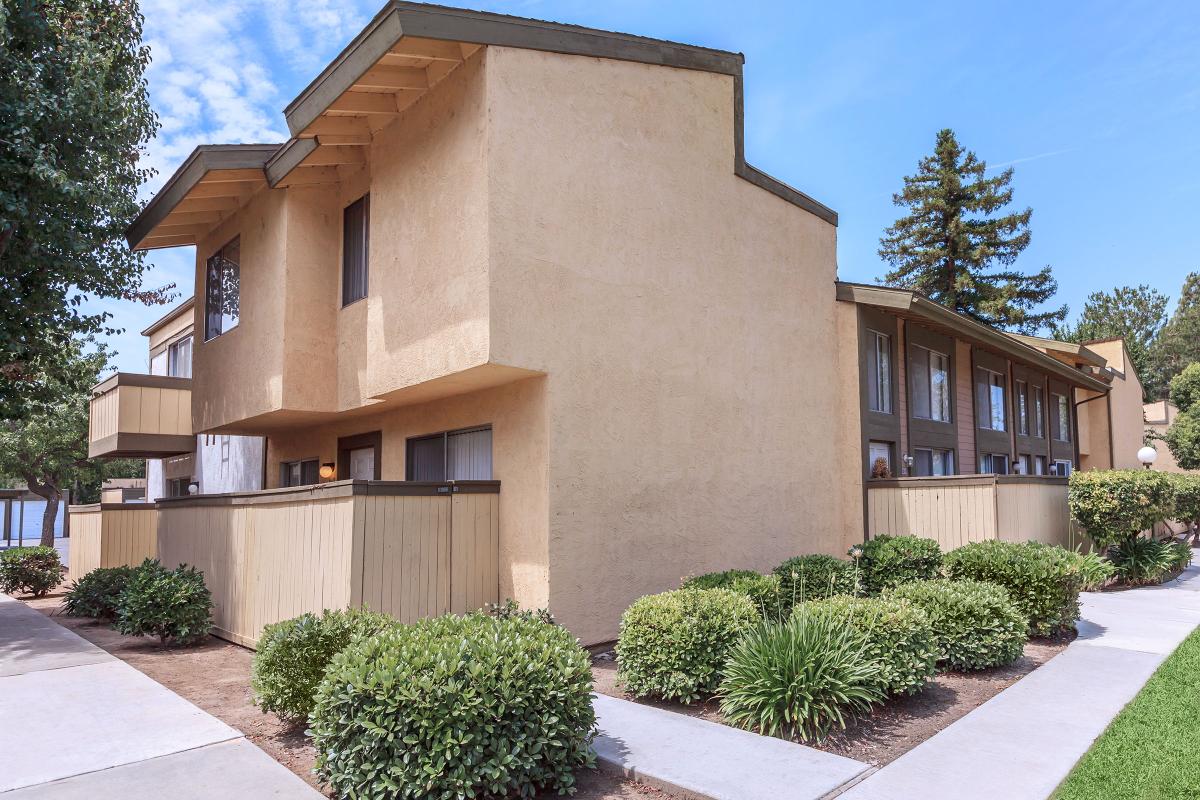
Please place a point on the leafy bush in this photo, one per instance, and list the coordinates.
(898, 636)
(1185, 388)
(292, 656)
(763, 590)
(1180, 555)
(800, 677)
(1142, 561)
(1094, 570)
(172, 604)
(1113, 505)
(815, 576)
(974, 624)
(889, 561)
(455, 707)
(1183, 438)
(96, 593)
(30, 570)
(673, 645)
(1042, 580)
(1187, 497)
(509, 609)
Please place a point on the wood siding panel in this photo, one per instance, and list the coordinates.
(103, 536)
(965, 409)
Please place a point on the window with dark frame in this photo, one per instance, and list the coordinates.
(1022, 408)
(879, 372)
(222, 290)
(459, 455)
(989, 400)
(931, 384)
(994, 464)
(1039, 413)
(356, 237)
(179, 358)
(1061, 429)
(932, 462)
(303, 472)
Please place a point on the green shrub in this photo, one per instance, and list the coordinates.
(509, 608)
(172, 604)
(1114, 505)
(1042, 580)
(673, 645)
(1094, 570)
(292, 656)
(455, 707)
(800, 677)
(815, 576)
(30, 570)
(898, 636)
(1185, 388)
(96, 593)
(889, 561)
(1187, 497)
(1180, 555)
(763, 590)
(975, 624)
(1143, 561)
(1183, 439)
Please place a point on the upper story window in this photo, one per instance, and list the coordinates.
(179, 358)
(989, 390)
(879, 372)
(356, 237)
(1061, 408)
(222, 290)
(1023, 408)
(1039, 414)
(931, 384)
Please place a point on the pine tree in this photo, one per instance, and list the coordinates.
(1137, 315)
(952, 248)
(1178, 345)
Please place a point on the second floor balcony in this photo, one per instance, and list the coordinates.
(140, 416)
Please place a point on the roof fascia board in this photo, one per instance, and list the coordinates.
(202, 160)
(911, 302)
(170, 315)
(287, 159)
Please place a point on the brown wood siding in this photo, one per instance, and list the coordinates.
(902, 383)
(964, 408)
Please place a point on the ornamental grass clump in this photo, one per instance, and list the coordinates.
(799, 678)
(673, 645)
(1145, 561)
(30, 570)
(975, 625)
(455, 707)
(172, 604)
(763, 590)
(1043, 581)
(888, 561)
(898, 636)
(815, 576)
(293, 654)
(96, 593)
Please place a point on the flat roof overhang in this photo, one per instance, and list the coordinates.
(914, 305)
(211, 185)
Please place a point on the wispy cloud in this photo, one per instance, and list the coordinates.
(1026, 159)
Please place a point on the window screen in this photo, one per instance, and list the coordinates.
(355, 242)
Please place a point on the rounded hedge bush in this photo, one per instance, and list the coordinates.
(889, 561)
(172, 604)
(898, 635)
(673, 645)
(292, 656)
(812, 577)
(800, 677)
(974, 624)
(96, 593)
(30, 570)
(763, 590)
(453, 707)
(1042, 580)
(1114, 505)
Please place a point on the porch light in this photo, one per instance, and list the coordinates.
(327, 471)
(1147, 455)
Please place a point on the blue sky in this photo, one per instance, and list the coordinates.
(1096, 106)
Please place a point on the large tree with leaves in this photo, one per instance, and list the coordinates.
(1136, 314)
(958, 247)
(1183, 437)
(1178, 344)
(74, 118)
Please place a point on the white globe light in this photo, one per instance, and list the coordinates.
(1147, 455)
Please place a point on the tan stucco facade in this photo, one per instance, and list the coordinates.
(594, 281)
(1159, 416)
(1117, 423)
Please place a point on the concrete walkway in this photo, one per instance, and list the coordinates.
(83, 724)
(1022, 743)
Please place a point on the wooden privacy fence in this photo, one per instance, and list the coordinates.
(957, 510)
(111, 535)
(411, 549)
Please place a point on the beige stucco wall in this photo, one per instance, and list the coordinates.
(1159, 416)
(684, 318)
(173, 329)
(1125, 402)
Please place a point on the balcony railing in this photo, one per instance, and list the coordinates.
(140, 416)
(959, 509)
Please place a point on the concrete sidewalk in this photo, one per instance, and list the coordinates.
(84, 724)
(1022, 743)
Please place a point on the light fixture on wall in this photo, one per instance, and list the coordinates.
(327, 471)
(1147, 455)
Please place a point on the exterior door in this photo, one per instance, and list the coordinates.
(358, 457)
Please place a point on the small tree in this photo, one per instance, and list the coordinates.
(956, 247)
(1116, 505)
(1183, 437)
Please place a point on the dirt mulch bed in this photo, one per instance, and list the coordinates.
(895, 727)
(215, 676)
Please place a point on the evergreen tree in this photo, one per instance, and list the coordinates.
(1137, 315)
(954, 246)
(1178, 345)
